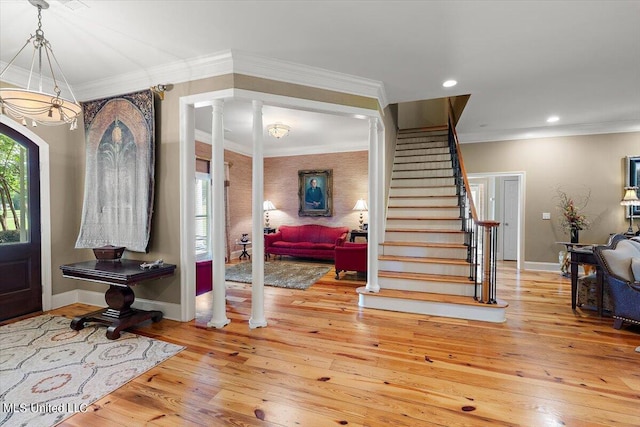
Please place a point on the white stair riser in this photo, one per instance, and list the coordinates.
(434, 287)
(423, 267)
(480, 312)
(425, 252)
(421, 146)
(448, 190)
(399, 236)
(425, 173)
(423, 201)
(409, 152)
(404, 212)
(424, 225)
(422, 159)
(423, 182)
(418, 166)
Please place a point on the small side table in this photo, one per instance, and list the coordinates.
(360, 233)
(244, 254)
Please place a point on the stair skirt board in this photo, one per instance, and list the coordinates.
(431, 286)
(480, 312)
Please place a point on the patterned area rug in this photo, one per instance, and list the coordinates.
(49, 371)
(282, 274)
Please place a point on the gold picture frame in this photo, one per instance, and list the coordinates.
(315, 192)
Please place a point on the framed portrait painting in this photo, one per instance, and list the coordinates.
(315, 192)
(633, 179)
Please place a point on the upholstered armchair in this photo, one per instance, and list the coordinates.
(620, 263)
(351, 257)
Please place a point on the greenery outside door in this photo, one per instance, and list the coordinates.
(20, 238)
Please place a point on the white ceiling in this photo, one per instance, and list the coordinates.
(521, 61)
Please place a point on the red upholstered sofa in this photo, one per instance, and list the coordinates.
(351, 257)
(305, 241)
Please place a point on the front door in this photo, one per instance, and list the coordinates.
(20, 260)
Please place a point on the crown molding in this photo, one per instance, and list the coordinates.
(227, 62)
(289, 72)
(285, 151)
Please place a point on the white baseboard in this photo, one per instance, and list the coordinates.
(169, 310)
(548, 266)
(542, 266)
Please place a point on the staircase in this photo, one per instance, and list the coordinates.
(424, 264)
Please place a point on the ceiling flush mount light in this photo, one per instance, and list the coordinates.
(552, 119)
(278, 130)
(33, 103)
(449, 83)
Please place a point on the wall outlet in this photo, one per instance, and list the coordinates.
(546, 215)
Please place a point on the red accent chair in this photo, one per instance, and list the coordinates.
(351, 257)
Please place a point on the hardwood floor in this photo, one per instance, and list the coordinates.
(323, 361)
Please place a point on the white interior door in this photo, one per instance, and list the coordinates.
(510, 218)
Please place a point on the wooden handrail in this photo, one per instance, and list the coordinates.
(472, 206)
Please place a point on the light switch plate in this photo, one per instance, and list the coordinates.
(546, 215)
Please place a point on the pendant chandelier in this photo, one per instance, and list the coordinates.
(33, 103)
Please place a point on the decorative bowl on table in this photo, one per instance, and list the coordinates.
(108, 252)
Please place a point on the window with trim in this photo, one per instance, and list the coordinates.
(203, 216)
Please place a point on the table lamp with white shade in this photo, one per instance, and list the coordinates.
(267, 206)
(361, 206)
(630, 199)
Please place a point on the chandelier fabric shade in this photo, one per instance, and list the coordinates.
(278, 130)
(33, 103)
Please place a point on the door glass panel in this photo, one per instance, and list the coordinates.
(14, 192)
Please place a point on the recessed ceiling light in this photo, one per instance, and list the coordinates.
(552, 119)
(449, 83)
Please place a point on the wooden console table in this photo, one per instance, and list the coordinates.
(584, 255)
(120, 276)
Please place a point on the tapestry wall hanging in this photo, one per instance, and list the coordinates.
(119, 176)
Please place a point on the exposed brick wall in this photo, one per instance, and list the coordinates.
(350, 182)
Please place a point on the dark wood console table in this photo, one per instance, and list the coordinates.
(120, 276)
(584, 255)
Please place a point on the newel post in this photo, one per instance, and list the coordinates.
(489, 261)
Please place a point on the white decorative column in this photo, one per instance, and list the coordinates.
(257, 319)
(375, 209)
(219, 313)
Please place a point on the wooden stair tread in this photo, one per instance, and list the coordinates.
(426, 187)
(424, 260)
(424, 196)
(427, 245)
(430, 230)
(430, 297)
(425, 277)
(422, 218)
